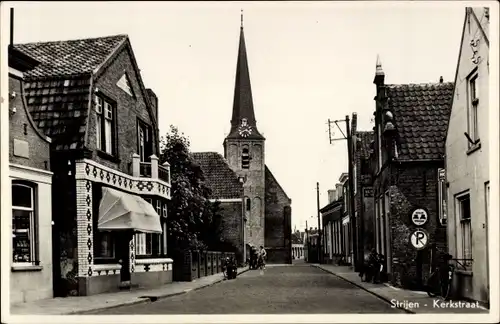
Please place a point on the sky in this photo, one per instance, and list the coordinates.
(308, 62)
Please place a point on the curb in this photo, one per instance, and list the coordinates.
(148, 300)
(385, 299)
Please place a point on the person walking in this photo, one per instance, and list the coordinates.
(263, 255)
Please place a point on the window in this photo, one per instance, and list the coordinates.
(248, 204)
(473, 102)
(464, 236)
(105, 246)
(104, 242)
(124, 84)
(245, 159)
(105, 125)
(147, 244)
(144, 141)
(442, 197)
(24, 230)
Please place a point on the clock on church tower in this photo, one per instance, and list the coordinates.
(244, 129)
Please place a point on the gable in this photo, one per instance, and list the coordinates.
(124, 84)
(421, 113)
(270, 180)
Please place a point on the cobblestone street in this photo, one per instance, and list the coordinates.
(285, 289)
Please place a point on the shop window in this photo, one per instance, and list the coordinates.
(24, 223)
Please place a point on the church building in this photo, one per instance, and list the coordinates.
(266, 206)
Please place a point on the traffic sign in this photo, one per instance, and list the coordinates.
(419, 239)
(419, 217)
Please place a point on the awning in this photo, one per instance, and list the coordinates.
(122, 211)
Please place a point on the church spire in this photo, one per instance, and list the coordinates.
(243, 111)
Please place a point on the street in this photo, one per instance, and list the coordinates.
(276, 290)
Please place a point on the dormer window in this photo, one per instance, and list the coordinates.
(124, 84)
(245, 159)
(105, 125)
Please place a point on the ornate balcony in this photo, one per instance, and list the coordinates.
(150, 169)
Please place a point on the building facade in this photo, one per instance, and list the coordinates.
(363, 190)
(332, 215)
(89, 97)
(31, 184)
(467, 184)
(410, 126)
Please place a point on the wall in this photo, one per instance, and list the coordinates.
(38, 148)
(232, 222)
(128, 110)
(413, 185)
(470, 171)
(278, 225)
(30, 283)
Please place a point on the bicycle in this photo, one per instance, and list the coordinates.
(440, 280)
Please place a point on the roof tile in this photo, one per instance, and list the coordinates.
(58, 89)
(72, 57)
(421, 113)
(219, 177)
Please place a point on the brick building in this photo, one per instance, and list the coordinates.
(89, 97)
(331, 217)
(467, 161)
(410, 126)
(267, 206)
(363, 190)
(31, 182)
(227, 189)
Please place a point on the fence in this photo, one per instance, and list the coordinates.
(191, 265)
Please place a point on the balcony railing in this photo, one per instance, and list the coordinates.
(150, 169)
(164, 173)
(145, 169)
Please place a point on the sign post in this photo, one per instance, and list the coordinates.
(419, 239)
(419, 217)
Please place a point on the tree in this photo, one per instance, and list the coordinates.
(193, 221)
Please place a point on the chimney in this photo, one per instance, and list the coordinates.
(338, 190)
(332, 195)
(154, 102)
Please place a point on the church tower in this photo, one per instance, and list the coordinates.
(244, 150)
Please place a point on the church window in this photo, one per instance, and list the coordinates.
(245, 159)
(247, 204)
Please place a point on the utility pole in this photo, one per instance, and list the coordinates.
(352, 218)
(320, 240)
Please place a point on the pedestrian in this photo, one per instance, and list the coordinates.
(263, 255)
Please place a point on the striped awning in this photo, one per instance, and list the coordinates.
(119, 211)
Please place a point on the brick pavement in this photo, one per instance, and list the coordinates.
(286, 289)
(84, 304)
(401, 298)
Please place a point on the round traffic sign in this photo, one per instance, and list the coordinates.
(419, 239)
(419, 217)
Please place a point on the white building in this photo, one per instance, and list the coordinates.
(467, 161)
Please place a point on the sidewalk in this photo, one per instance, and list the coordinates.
(84, 304)
(414, 302)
